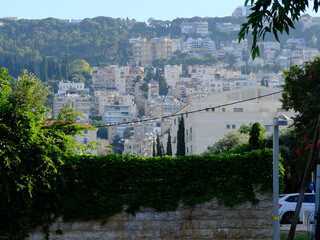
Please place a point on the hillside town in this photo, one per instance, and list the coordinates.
(127, 100)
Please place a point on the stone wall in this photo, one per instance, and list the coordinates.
(203, 221)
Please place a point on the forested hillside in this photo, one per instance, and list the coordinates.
(99, 41)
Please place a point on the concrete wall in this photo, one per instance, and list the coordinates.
(203, 221)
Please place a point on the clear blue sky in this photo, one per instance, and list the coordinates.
(140, 10)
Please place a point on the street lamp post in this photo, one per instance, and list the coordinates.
(276, 124)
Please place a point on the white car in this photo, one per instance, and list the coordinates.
(287, 206)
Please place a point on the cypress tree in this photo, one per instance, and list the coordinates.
(256, 136)
(181, 146)
(44, 69)
(169, 146)
(159, 147)
(153, 148)
(65, 68)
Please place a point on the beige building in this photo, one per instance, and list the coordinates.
(88, 138)
(79, 102)
(172, 74)
(204, 128)
(106, 78)
(161, 106)
(144, 51)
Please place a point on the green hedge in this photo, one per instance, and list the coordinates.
(96, 187)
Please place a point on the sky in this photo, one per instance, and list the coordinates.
(141, 10)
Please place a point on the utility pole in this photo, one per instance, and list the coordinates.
(276, 123)
(304, 183)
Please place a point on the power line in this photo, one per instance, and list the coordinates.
(191, 112)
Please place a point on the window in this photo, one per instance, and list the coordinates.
(85, 141)
(268, 128)
(223, 109)
(238, 109)
(174, 122)
(85, 131)
(228, 126)
(233, 126)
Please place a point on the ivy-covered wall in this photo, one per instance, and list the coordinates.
(100, 187)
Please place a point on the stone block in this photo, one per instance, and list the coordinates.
(109, 225)
(151, 225)
(208, 224)
(133, 225)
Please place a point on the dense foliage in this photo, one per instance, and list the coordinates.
(100, 186)
(31, 154)
(273, 16)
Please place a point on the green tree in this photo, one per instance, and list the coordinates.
(118, 144)
(127, 133)
(279, 17)
(44, 69)
(154, 153)
(181, 146)
(65, 68)
(245, 128)
(32, 150)
(301, 94)
(256, 136)
(159, 147)
(169, 145)
(228, 142)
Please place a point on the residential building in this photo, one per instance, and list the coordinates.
(242, 11)
(200, 28)
(87, 138)
(206, 127)
(228, 27)
(144, 51)
(161, 106)
(81, 103)
(172, 73)
(106, 78)
(205, 43)
(70, 87)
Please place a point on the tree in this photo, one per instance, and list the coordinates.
(272, 16)
(159, 147)
(169, 145)
(256, 136)
(228, 142)
(118, 144)
(127, 133)
(301, 93)
(181, 146)
(154, 148)
(244, 128)
(65, 68)
(44, 69)
(32, 150)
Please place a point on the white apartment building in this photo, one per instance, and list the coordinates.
(204, 128)
(205, 43)
(228, 27)
(68, 86)
(103, 98)
(172, 74)
(200, 28)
